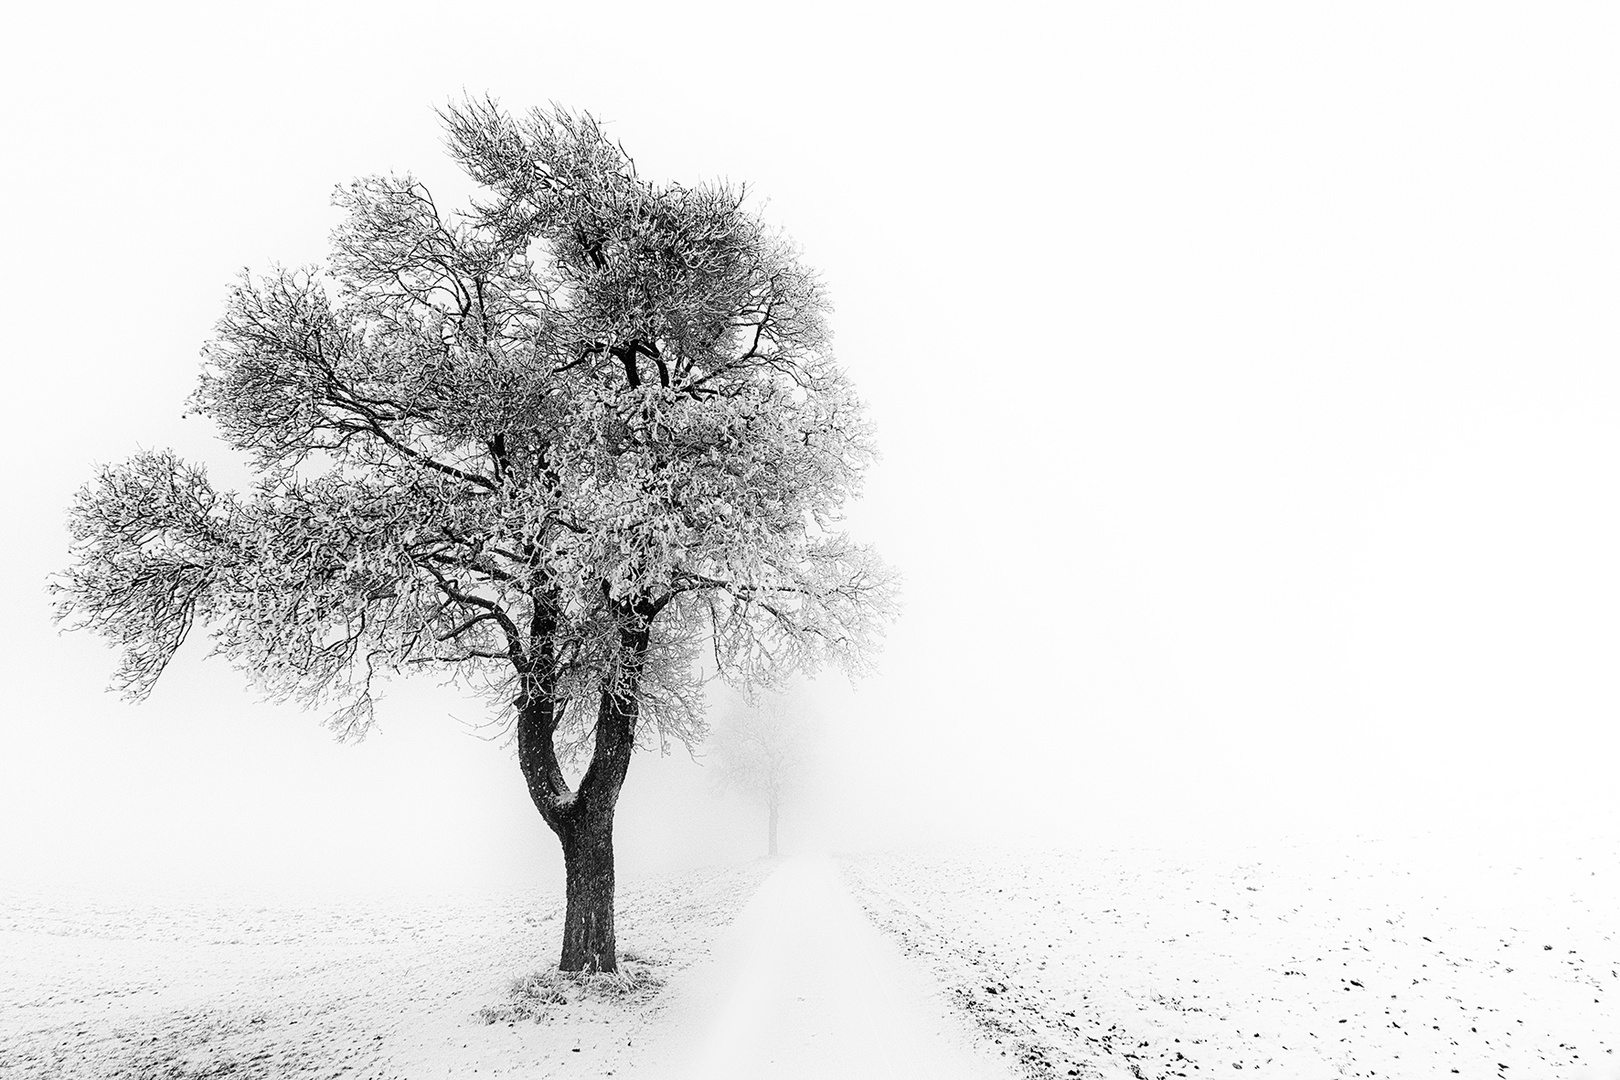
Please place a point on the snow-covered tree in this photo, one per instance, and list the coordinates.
(565, 444)
(761, 749)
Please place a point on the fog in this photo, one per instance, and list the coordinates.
(1245, 381)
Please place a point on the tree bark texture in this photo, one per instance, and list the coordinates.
(588, 940)
(772, 842)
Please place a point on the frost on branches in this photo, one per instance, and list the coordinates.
(571, 445)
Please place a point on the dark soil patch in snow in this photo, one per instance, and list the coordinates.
(1427, 957)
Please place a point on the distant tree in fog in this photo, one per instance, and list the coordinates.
(761, 749)
(560, 444)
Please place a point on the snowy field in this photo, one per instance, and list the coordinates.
(103, 989)
(1356, 959)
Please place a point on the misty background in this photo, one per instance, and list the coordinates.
(1245, 378)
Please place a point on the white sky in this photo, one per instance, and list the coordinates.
(1245, 375)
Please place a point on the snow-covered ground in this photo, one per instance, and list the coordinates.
(1348, 959)
(404, 989)
(1356, 959)
(768, 969)
(802, 987)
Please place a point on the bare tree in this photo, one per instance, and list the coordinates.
(560, 444)
(762, 749)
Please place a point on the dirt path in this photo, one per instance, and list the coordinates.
(802, 985)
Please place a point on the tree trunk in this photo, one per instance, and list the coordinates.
(583, 818)
(588, 943)
(772, 850)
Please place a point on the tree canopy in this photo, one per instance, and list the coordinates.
(762, 748)
(497, 440)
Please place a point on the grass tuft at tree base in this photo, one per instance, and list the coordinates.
(540, 994)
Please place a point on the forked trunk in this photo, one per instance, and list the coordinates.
(583, 818)
(772, 849)
(588, 943)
